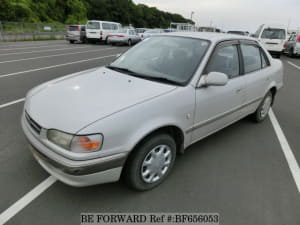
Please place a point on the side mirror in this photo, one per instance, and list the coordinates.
(214, 79)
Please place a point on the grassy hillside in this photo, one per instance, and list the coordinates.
(79, 11)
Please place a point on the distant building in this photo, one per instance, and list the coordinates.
(181, 27)
(209, 29)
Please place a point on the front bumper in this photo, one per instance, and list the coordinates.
(74, 172)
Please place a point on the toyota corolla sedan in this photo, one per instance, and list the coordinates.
(131, 118)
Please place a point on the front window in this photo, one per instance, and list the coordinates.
(166, 59)
(93, 25)
(272, 33)
(225, 60)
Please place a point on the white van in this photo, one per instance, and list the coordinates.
(273, 37)
(98, 30)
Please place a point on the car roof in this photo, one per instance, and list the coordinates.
(279, 26)
(211, 36)
(102, 21)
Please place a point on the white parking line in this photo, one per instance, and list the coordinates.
(292, 64)
(51, 50)
(288, 153)
(42, 46)
(58, 65)
(30, 43)
(26, 199)
(12, 103)
(49, 56)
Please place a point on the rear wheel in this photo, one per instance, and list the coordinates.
(151, 162)
(71, 41)
(129, 42)
(263, 109)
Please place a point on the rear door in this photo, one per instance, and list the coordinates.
(73, 32)
(93, 29)
(274, 39)
(218, 106)
(257, 73)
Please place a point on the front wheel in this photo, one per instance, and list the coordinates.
(263, 109)
(291, 52)
(151, 162)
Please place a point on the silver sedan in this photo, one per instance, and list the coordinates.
(126, 36)
(132, 117)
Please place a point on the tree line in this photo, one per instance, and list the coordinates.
(79, 11)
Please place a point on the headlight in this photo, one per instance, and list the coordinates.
(74, 143)
(60, 138)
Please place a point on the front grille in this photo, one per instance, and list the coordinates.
(34, 125)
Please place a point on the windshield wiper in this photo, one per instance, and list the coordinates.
(123, 70)
(163, 79)
(135, 74)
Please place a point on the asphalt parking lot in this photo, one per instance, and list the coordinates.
(240, 172)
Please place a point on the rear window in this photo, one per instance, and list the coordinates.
(73, 28)
(273, 33)
(93, 25)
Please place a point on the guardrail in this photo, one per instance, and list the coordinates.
(19, 31)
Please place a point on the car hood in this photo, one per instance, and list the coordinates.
(71, 103)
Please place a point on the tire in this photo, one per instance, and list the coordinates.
(291, 52)
(161, 149)
(71, 41)
(129, 43)
(263, 109)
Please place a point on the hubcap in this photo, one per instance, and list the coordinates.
(266, 107)
(156, 163)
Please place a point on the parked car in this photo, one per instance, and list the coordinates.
(126, 36)
(273, 37)
(133, 116)
(97, 31)
(243, 33)
(76, 33)
(293, 45)
(151, 32)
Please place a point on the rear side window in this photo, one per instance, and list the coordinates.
(115, 27)
(106, 26)
(93, 25)
(225, 60)
(252, 58)
(73, 28)
(264, 60)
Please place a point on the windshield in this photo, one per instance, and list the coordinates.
(93, 25)
(272, 33)
(165, 58)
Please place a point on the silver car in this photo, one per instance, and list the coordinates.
(133, 117)
(126, 36)
(76, 33)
